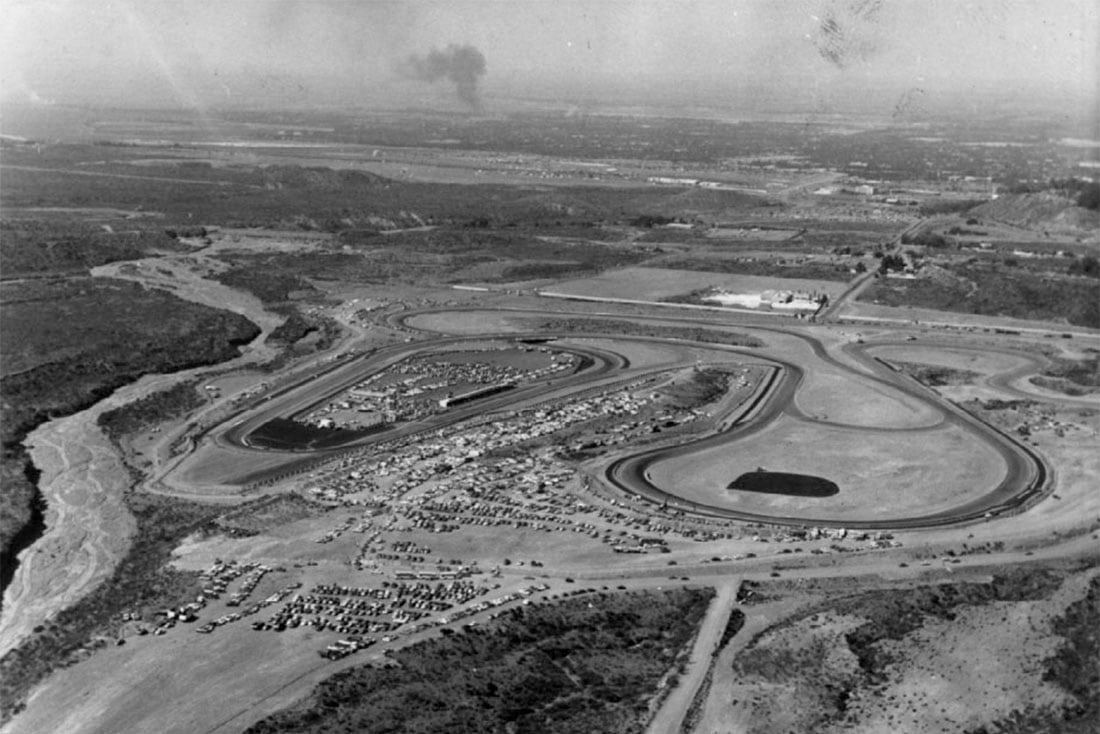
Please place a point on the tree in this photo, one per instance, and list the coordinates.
(1089, 198)
(1088, 266)
(891, 262)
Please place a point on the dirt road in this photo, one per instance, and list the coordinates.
(675, 708)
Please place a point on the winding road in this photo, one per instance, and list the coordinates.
(1025, 480)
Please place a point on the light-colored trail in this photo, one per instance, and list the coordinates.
(670, 717)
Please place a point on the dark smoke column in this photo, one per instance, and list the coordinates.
(461, 65)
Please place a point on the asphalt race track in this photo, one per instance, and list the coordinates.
(1025, 480)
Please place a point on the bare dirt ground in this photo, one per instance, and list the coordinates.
(716, 715)
(974, 360)
(470, 322)
(948, 675)
(827, 394)
(153, 684)
(880, 474)
(201, 683)
(656, 283)
(89, 528)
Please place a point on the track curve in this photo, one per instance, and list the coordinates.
(1027, 476)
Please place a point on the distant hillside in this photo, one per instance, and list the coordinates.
(1039, 211)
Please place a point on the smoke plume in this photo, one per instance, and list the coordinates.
(461, 65)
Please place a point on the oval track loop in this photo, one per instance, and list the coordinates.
(1026, 478)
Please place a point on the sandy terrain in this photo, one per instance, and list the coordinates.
(716, 714)
(827, 394)
(88, 526)
(184, 682)
(879, 474)
(83, 478)
(186, 281)
(958, 675)
(152, 684)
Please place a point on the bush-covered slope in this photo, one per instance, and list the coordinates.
(588, 664)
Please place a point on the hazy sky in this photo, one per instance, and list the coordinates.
(199, 53)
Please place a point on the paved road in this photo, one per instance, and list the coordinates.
(855, 288)
(860, 284)
(1025, 479)
(309, 392)
(1026, 476)
(1001, 382)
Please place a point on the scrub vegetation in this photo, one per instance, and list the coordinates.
(143, 583)
(68, 342)
(857, 660)
(992, 290)
(147, 412)
(585, 664)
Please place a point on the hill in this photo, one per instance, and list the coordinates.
(1040, 211)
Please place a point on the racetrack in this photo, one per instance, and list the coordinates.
(902, 456)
